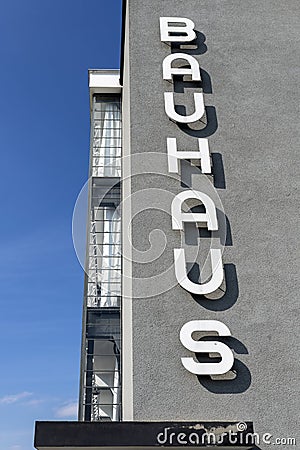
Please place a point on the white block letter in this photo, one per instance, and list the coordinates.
(168, 71)
(201, 155)
(195, 288)
(188, 342)
(170, 108)
(171, 25)
(179, 217)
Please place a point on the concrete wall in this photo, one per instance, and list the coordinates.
(248, 53)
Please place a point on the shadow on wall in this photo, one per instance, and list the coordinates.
(237, 381)
(226, 296)
(225, 238)
(230, 294)
(180, 84)
(218, 171)
(196, 47)
(188, 169)
(200, 130)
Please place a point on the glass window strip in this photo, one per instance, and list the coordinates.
(101, 398)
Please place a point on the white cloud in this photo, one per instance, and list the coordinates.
(8, 399)
(69, 410)
(15, 447)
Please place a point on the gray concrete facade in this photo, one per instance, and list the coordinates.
(248, 52)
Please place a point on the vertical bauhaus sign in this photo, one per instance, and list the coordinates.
(181, 30)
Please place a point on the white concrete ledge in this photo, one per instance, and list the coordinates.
(104, 81)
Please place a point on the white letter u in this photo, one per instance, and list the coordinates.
(195, 288)
(173, 115)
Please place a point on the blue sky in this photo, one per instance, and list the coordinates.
(46, 49)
